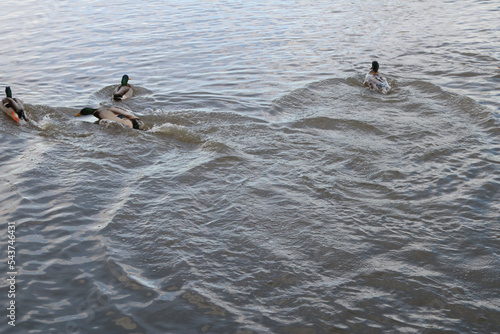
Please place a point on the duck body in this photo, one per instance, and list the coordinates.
(124, 91)
(13, 107)
(376, 81)
(115, 114)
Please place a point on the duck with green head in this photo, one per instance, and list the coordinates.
(115, 114)
(124, 91)
(374, 80)
(13, 107)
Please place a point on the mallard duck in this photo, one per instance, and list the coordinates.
(123, 91)
(375, 81)
(115, 114)
(13, 107)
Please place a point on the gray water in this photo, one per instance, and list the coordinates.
(272, 192)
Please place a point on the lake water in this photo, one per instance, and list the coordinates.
(272, 192)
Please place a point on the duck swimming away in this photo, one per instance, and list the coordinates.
(115, 114)
(124, 91)
(376, 81)
(13, 107)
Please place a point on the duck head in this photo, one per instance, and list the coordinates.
(125, 80)
(8, 92)
(86, 111)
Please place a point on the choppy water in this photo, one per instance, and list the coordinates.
(272, 192)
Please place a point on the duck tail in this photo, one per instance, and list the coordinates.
(22, 114)
(117, 97)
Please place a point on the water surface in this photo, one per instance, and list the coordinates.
(272, 193)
